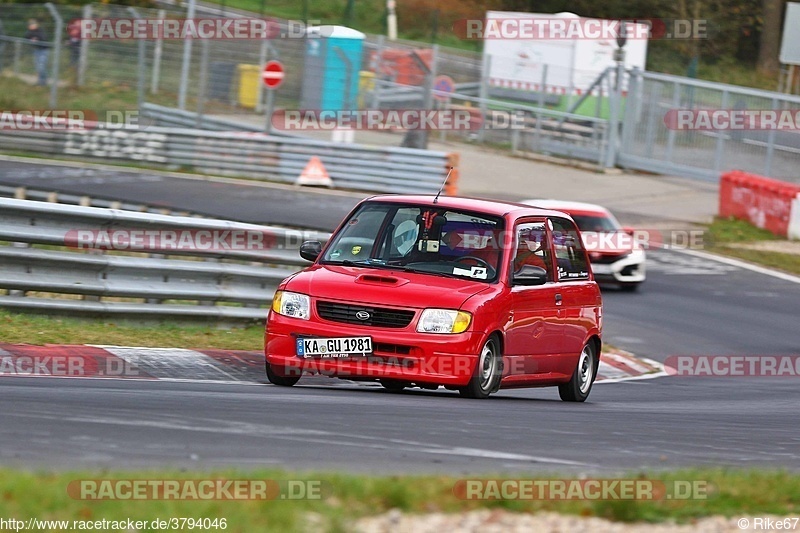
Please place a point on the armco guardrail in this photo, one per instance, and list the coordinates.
(250, 154)
(766, 203)
(188, 267)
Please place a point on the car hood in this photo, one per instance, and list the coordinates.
(384, 287)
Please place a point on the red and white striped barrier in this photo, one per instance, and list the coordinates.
(767, 203)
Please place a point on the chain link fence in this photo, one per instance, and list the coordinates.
(222, 82)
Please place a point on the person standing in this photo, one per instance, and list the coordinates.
(40, 49)
(74, 41)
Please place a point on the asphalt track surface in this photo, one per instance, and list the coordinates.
(689, 306)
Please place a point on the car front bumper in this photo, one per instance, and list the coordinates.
(629, 269)
(398, 354)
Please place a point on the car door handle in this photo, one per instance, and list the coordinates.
(558, 299)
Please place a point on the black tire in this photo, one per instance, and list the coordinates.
(393, 385)
(580, 384)
(488, 371)
(281, 381)
(629, 287)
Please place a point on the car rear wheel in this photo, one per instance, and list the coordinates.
(488, 371)
(580, 385)
(276, 379)
(393, 385)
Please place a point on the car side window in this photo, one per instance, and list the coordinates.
(571, 258)
(533, 248)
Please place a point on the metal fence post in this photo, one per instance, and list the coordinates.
(615, 102)
(187, 61)
(263, 54)
(157, 52)
(770, 144)
(376, 88)
(56, 58)
(676, 102)
(83, 59)
(141, 73)
(720, 145)
(631, 109)
(483, 93)
(201, 90)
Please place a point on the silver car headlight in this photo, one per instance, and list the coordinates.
(292, 304)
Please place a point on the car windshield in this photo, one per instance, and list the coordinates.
(419, 238)
(596, 223)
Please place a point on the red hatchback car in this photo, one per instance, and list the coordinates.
(473, 295)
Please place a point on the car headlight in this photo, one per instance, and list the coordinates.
(292, 304)
(443, 321)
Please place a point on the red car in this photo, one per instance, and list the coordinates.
(473, 295)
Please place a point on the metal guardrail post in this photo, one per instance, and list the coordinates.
(56, 57)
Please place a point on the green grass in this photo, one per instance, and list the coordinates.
(725, 232)
(36, 329)
(346, 497)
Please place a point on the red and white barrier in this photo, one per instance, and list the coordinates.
(766, 203)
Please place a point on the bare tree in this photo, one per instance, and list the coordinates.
(769, 48)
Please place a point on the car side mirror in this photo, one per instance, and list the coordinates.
(529, 275)
(310, 250)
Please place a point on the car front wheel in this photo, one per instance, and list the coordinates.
(276, 379)
(488, 372)
(580, 385)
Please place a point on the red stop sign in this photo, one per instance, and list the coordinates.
(273, 74)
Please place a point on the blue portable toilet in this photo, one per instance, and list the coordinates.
(333, 62)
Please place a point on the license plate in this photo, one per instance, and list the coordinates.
(601, 269)
(334, 347)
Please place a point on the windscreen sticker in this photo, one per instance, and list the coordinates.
(356, 250)
(474, 272)
(335, 254)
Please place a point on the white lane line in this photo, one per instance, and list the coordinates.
(319, 436)
(741, 264)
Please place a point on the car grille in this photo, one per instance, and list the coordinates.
(378, 316)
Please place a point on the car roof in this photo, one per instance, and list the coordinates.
(481, 205)
(569, 207)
